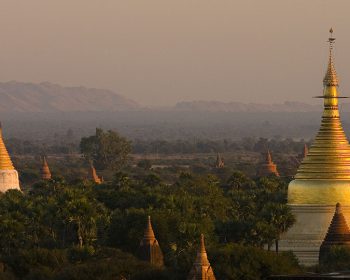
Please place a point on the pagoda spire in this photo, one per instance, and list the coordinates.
(330, 78)
(305, 151)
(5, 160)
(219, 161)
(149, 249)
(338, 233)
(268, 167)
(8, 174)
(329, 155)
(268, 157)
(45, 170)
(201, 269)
(93, 174)
(149, 233)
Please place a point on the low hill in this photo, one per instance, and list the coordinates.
(48, 97)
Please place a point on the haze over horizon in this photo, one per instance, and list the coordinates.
(160, 52)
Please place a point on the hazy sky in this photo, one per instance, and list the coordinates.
(158, 52)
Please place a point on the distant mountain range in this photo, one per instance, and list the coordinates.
(48, 97)
(19, 97)
(217, 106)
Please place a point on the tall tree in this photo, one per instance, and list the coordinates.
(106, 148)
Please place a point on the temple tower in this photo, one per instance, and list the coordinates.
(305, 151)
(322, 179)
(201, 269)
(8, 174)
(219, 162)
(268, 167)
(338, 233)
(149, 249)
(93, 175)
(45, 172)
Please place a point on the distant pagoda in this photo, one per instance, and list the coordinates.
(305, 151)
(201, 269)
(268, 167)
(45, 172)
(8, 174)
(219, 162)
(93, 174)
(149, 249)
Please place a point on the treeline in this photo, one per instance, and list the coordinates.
(66, 146)
(57, 230)
(212, 146)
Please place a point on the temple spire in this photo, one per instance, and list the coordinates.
(330, 78)
(219, 161)
(149, 233)
(5, 160)
(93, 174)
(338, 233)
(201, 269)
(149, 249)
(8, 174)
(329, 155)
(267, 167)
(305, 151)
(268, 157)
(45, 170)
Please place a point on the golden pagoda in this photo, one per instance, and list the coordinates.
(268, 167)
(201, 269)
(93, 175)
(8, 174)
(323, 176)
(322, 179)
(149, 249)
(45, 172)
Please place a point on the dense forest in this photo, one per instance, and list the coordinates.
(69, 227)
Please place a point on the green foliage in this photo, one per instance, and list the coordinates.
(145, 164)
(59, 230)
(233, 261)
(106, 148)
(336, 258)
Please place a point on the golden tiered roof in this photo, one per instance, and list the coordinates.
(323, 176)
(5, 160)
(201, 269)
(45, 170)
(329, 154)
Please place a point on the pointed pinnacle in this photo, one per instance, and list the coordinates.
(268, 156)
(149, 233)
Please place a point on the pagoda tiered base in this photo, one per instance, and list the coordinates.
(9, 180)
(309, 230)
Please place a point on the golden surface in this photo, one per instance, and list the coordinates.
(323, 192)
(323, 176)
(5, 160)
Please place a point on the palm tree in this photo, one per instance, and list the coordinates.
(279, 216)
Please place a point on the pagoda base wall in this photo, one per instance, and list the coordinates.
(305, 237)
(9, 180)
